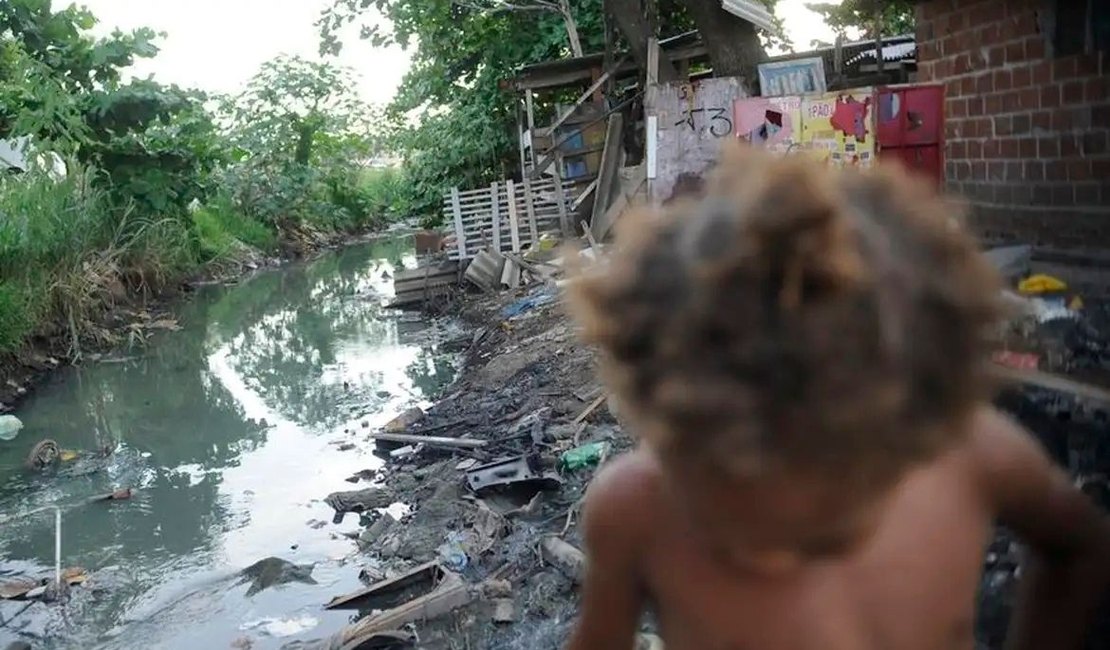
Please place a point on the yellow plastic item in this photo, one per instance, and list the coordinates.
(67, 455)
(1076, 303)
(1041, 283)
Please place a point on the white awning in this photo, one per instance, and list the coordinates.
(752, 11)
(895, 52)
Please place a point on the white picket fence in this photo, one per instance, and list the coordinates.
(506, 216)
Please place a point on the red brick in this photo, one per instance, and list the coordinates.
(1042, 121)
(1003, 125)
(1022, 124)
(927, 51)
(1073, 92)
(951, 129)
(1025, 22)
(1050, 96)
(1056, 170)
(1021, 77)
(1048, 147)
(1011, 101)
(979, 170)
(1063, 195)
(1009, 148)
(974, 149)
(1086, 194)
(1013, 171)
(1002, 194)
(1015, 52)
(1101, 169)
(961, 65)
(987, 33)
(984, 83)
(974, 106)
(1042, 73)
(1029, 99)
(996, 170)
(1098, 89)
(1096, 143)
(996, 56)
(967, 85)
(957, 150)
(952, 88)
(1087, 65)
(1035, 48)
(1034, 170)
(1079, 170)
(1042, 194)
(1028, 147)
(1064, 68)
(991, 149)
(1100, 116)
(1069, 146)
(948, 46)
(956, 108)
(1002, 80)
(992, 104)
(1023, 193)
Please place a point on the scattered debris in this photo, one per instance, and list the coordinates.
(519, 472)
(9, 427)
(17, 587)
(403, 421)
(372, 535)
(118, 495)
(274, 571)
(568, 559)
(394, 592)
(584, 456)
(589, 410)
(504, 611)
(44, 454)
(362, 475)
(359, 500)
(1041, 284)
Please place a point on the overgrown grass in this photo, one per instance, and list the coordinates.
(221, 230)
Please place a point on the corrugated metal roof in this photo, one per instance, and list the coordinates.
(752, 11)
(895, 52)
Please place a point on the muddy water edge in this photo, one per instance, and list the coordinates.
(230, 430)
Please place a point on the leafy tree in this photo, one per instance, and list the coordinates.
(300, 132)
(896, 17)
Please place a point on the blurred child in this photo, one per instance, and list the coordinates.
(802, 353)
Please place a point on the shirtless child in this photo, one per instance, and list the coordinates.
(802, 354)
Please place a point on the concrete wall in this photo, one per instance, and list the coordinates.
(1028, 131)
(693, 119)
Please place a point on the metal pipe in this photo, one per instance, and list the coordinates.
(57, 535)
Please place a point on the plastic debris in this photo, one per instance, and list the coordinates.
(452, 554)
(1040, 284)
(584, 456)
(9, 427)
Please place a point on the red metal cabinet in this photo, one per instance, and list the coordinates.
(910, 128)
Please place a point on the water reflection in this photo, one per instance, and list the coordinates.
(226, 427)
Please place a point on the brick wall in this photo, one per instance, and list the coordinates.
(1027, 132)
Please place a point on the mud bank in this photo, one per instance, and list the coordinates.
(528, 390)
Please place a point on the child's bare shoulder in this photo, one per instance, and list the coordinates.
(623, 500)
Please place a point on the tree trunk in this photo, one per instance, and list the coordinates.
(732, 42)
(572, 28)
(631, 18)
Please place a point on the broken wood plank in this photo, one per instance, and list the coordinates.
(460, 233)
(1049, 381)
(514, 223)
(431, 441)
(561, 201)
(590, 237)
(382, 595)
(452, 594)
(568, 559)
(586, 193)
(530, 210)
(608, 182)
(495, 216)
(588, 411)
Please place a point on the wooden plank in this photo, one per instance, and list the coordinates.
(431, 441)
(514, 226)
(530, 207)
(653, 53)
(459, 233)
(586, 193)
(607, 180)
(591, 408)
(495, 214)
(561, 202)
(586, 95)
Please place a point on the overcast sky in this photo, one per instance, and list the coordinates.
(216, 45)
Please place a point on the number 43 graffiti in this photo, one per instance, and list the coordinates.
(719, 123)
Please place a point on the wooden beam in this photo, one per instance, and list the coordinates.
(561, 201)
(584, 96)
(495, 216)
(530, 209)
(431, 441)
(514, 226)
(460, 232)
(653, 53)
(607, 174)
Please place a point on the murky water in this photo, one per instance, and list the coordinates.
(229, 431)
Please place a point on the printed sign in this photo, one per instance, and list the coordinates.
(774, 123)
(839, 127)
(797, 77)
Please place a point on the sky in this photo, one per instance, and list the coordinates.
(217, 45)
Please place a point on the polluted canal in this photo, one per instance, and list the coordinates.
(229, 430)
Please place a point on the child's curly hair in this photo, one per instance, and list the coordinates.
(795, 317)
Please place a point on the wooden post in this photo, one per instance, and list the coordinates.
(530, 207)
(495, 216)
(561, 200)
(514, 227)
(879, 37)
(652, 147)
(460, 232)
(529, 109)
(653, 61)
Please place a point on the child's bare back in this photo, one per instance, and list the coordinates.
(793, 491)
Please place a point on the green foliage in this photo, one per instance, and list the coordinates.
(859, 16)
